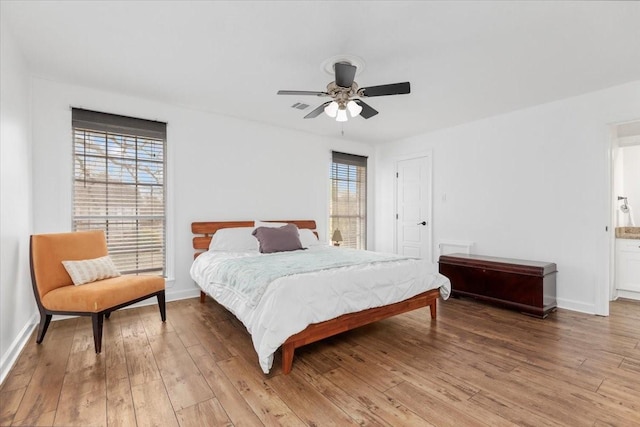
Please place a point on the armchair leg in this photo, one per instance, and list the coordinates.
(45, 319)
(97, 319)
(162, 306)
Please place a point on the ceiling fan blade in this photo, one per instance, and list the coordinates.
(301, 92)
(391, 89)
(345, 73)
(315, 113)
(367, 111)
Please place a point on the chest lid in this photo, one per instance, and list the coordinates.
(507, 265)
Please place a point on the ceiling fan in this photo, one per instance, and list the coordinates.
(345, 93)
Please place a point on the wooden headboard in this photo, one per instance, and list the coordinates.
(203, 231)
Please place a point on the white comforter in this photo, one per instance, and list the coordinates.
(291, 303)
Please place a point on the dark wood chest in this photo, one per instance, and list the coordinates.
(526, 286)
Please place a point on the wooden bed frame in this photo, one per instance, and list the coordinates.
(204, 231)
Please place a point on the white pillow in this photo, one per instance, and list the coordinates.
(90, 270)
(269, 224)
(308, 238)
(237, 239)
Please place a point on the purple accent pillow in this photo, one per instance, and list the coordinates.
(279, 239)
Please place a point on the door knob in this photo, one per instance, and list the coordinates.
(422, 223)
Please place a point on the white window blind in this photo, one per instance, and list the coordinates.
(119, 175)
(348, 207)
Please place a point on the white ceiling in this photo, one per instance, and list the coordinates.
(465, 60)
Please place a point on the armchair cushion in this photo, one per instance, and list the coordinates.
(101, 295)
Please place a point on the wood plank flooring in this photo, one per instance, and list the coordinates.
(476, 365)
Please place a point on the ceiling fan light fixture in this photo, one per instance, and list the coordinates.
(354, 108)
(332, 109)
(341, 116)
(342, 91)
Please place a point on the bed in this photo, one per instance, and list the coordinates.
(308, 306)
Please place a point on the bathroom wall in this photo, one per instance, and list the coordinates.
(626, 171)
(630, 163)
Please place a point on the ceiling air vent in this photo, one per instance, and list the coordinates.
(300, 106)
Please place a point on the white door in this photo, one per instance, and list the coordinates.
(413, 210)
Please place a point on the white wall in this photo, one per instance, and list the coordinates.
(532, 184)
(17, 306)
(219, 168)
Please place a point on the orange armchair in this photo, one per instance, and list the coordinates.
(55, 292)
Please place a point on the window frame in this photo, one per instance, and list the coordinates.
(360, 175)
(131, 129)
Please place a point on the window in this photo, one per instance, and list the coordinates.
(348, 208)
(119, 175)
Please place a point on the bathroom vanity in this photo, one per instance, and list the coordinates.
(627, 271)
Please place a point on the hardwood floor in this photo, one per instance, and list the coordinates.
(475, 365)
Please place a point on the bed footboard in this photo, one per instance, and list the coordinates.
(346, 322)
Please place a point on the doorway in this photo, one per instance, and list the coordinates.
(413, 207)
(625, 222)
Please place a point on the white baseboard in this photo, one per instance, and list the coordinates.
(628, 294)
(10, 357)
(576, 306)
(183, 294)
